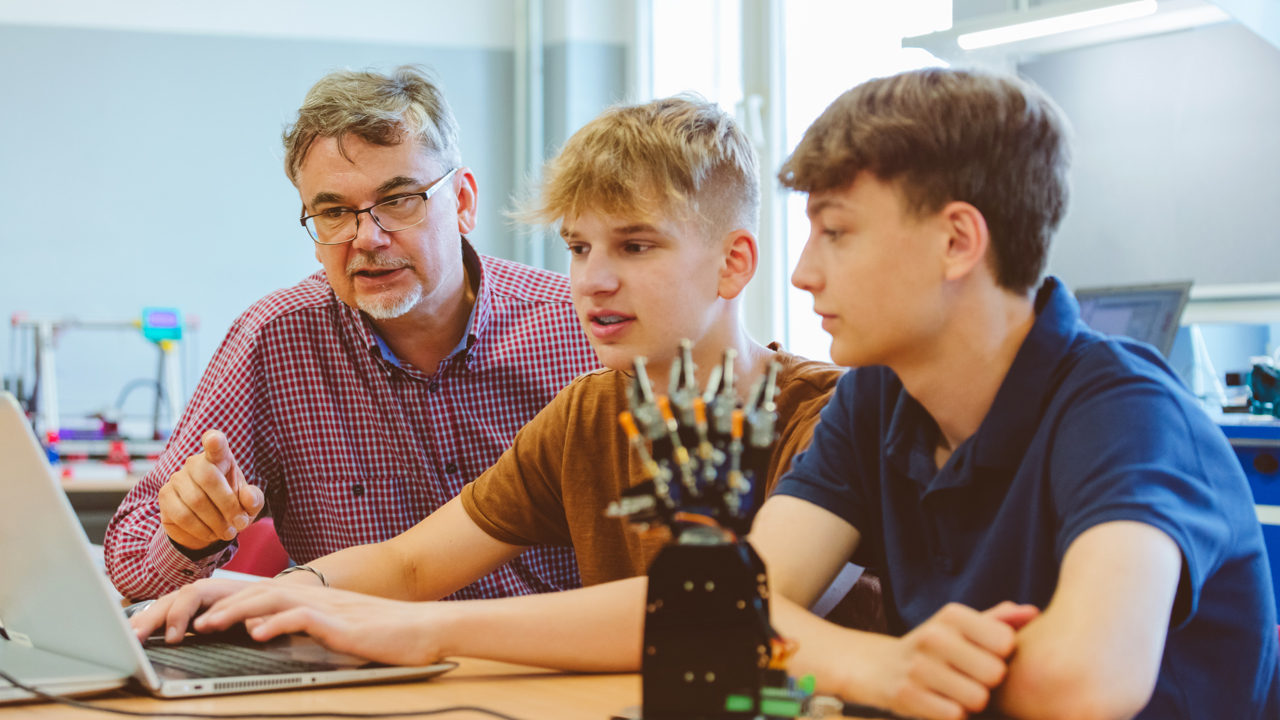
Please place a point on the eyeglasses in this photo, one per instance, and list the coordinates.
(340, 225)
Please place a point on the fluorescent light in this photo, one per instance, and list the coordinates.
(1055, 25)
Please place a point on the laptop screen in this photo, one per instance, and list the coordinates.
(1146, 313)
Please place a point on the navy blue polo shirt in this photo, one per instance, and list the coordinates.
(1085, 429)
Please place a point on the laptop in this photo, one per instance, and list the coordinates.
(1146, 313)
(61, 631)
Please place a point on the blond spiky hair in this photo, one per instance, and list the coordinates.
(681, 156)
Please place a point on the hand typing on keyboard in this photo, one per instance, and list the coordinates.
(173, 612)
(388, 631)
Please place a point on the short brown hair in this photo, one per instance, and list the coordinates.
(379, 109)
(996, 142)
(680, 154)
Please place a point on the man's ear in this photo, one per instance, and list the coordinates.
(464, 181)
(741, 256)
(967, 239)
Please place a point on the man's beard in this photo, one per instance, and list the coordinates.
(385, 305)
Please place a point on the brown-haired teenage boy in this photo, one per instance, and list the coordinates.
(991, 449)
(658, 206)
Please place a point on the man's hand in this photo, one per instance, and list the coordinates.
(388, 631)
(946, 668)
(208, 500)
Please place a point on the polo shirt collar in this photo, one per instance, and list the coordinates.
(476, 322)
(910, 439)
(1005, 433)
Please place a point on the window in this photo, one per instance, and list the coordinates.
(697, 47)
(831, 46)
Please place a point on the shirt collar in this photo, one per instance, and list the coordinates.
(1006, 431)
(478, 319)
(478, 324)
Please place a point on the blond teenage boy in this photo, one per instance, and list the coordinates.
(657, 204)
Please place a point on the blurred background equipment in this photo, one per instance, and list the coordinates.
(1263, 383)
(100, 455)
(1147, 313)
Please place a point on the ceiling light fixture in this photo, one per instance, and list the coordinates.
(1055, 25)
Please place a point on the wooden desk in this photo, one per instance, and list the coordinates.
(521, 692)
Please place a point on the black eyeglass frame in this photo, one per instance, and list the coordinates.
(425, 195)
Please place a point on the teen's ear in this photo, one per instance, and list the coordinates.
(967, 239)
(464, 182)
(741, 256)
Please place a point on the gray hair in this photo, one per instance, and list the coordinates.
(379, 109)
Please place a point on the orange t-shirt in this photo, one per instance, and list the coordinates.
(551, 487)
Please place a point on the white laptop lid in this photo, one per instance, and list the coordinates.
(51, 593)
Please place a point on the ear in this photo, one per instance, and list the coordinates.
(967, 239)
(464, 183)
(741, 256)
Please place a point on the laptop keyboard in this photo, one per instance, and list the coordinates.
(214, 660)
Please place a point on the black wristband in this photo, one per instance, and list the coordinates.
(202, 553)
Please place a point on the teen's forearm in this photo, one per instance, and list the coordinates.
(445, 552)
(1095, 652)
(376, 569)
(1050, 679)
(595, 629)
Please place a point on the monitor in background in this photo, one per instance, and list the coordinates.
(1147, 313)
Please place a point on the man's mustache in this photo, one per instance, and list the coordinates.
(374, 261)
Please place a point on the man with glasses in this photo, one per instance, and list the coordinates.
(355, 403)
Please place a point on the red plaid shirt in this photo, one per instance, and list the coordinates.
(351, 448)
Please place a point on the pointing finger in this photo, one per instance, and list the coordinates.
(217, 451)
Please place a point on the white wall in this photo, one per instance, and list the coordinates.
(1177, 172)
(143, 166)
(140, 140)
(436, 23)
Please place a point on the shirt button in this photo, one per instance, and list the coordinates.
(451, 468)
(357, 489)
(433, 386)
(943, 564)
(187, 572)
